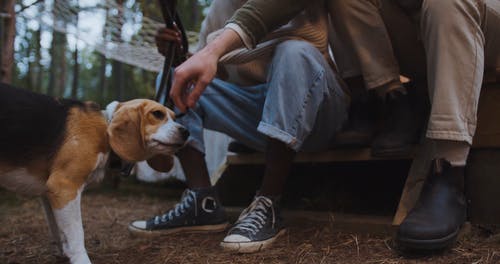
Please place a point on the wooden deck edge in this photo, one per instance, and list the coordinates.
(337, 155)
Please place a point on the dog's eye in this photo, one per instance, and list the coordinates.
(158, 114)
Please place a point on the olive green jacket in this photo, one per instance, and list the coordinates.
(259, 17)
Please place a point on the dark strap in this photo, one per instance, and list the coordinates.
(174, 56)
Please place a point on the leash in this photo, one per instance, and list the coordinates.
(174, 55)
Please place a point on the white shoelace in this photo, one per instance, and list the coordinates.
(253, 218)
(188, 197)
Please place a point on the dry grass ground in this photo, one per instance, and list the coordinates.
(24, 237)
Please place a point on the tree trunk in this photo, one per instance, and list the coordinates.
(103, 62)
(118, 80)
(76, 67)
(118, 75)
(102, 76)
(76, 74)
(29, 74)
(7, 35)
(57, 76)
(195, 13)
(145, 80)
(61, 61)
(57, 73)
(38, 81)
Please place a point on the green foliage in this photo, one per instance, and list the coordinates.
(35, 54)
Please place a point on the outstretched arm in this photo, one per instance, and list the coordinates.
(254, 20)
(200, 69)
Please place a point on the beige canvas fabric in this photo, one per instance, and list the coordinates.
(457, 35)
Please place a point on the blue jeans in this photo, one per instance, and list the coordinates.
(302, 104)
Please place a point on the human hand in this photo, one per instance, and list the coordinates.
(196, 73)
(200, 69)
(166, 35)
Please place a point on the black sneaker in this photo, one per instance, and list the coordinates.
(198, 211)
(257, 227)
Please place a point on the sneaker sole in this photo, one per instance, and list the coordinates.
(250, 247)
(188, 229)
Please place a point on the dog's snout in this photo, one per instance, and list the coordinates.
(184, 133)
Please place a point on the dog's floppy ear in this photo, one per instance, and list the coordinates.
(126, 133)
(161, 163)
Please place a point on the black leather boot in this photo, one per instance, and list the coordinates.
(400, 127)
(360, 127)
(434, 222)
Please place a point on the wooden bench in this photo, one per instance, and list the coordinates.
(483, 186)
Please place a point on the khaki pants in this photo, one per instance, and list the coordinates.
(461, 40)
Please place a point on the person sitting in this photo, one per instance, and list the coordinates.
(460, 41)
(300, 107)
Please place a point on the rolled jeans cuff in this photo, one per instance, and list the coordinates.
(283, 136)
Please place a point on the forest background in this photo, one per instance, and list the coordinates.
(36, 56)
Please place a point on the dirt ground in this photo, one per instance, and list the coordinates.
(24, 237)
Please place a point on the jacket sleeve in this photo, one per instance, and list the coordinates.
(256, 18)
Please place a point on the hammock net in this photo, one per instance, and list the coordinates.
(116, 31)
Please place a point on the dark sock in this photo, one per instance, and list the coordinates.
(279, 159)
(195, 168)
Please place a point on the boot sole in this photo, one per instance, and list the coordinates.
(188, 230)
(250, 247)
(428, 244)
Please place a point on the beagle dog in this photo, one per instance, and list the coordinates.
(54, 147)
